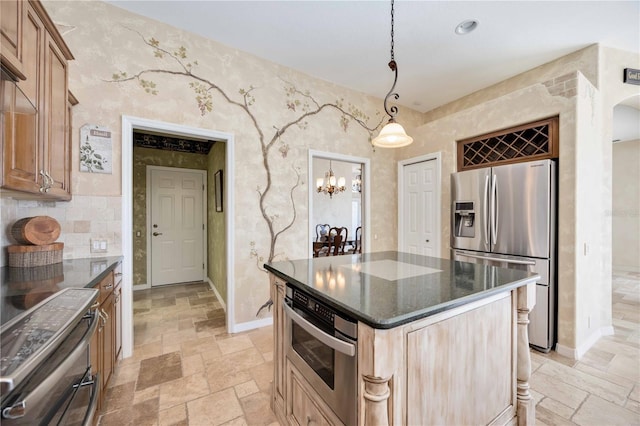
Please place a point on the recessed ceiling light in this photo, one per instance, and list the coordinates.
(465, 27)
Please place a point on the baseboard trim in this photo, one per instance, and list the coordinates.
(625, 268)
(215, 291)
(137, 287)
(250, 325)
(577, 353)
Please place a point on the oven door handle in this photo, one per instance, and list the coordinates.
(341, 346)
(93, 403)
(18, 409)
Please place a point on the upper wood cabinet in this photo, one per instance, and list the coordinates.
(37, 148)
(11, 22)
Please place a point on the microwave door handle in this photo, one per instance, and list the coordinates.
(337, 344)
(18, 409)
(485, 216)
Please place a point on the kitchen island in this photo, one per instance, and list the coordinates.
(438, 341)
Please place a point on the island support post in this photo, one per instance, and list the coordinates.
(526, 410)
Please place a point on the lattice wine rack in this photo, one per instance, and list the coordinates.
(528, 142)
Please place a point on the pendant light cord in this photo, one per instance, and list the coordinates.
(392, 21)
(391, 112)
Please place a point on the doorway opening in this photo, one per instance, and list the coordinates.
(348, 208)
(625, 191)
(225, 282)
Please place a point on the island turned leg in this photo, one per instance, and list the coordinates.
(376, 395)
(526, 410)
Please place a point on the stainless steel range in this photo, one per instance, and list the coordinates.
(45, 371)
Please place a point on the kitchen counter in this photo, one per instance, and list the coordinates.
(23, 288)
(388, 289)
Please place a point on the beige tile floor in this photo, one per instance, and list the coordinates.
(186, 370)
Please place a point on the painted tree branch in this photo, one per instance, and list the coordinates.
(204, 90)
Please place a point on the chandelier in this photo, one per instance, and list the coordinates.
(328, 184)
(392, 134)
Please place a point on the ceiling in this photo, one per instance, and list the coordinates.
(348, 42)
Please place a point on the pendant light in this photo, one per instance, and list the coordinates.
(392, 134)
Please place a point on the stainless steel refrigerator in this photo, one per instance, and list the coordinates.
(506, 216)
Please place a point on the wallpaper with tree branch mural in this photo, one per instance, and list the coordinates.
(127, 64)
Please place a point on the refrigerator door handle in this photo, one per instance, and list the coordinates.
(485, 216)
(497, 259)
(494, 210)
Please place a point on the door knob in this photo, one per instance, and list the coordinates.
(427, 241)
(155, 234)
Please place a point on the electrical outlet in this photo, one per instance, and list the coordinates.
(98, 245)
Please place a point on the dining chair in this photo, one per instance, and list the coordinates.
(322, 232)
(343, 233)
(336, 244)
(357, 248)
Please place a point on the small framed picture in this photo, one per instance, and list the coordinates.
(218, 189)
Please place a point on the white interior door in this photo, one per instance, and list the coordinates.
(177, 225)
(420, 206)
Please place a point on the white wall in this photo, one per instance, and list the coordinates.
(626, 206)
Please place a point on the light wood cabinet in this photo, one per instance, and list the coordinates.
(478, 343)
(304, 405)
(94, 355)
(37, 148)
(117, 294)
(108, 346)
(11, 22)
(105, 345)
(277, 295)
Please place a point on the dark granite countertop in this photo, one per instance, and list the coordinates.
(388, 289)
(22, 288)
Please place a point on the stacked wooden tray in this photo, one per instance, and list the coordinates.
(36, 246)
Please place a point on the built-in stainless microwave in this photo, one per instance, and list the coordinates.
(322, 344)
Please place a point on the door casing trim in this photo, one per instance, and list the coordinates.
(366, 194)
(129, 123)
